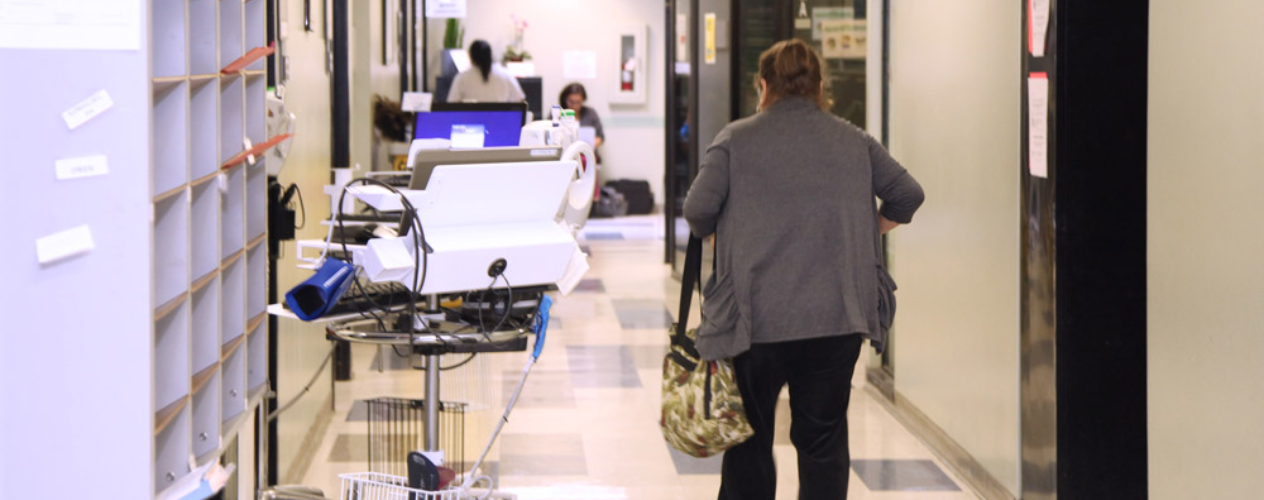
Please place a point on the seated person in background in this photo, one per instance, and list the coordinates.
(573, 98)
(485, 81)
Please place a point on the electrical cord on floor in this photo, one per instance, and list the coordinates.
(275, 413)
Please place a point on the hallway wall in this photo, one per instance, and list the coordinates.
(301, 346)
(1206, 284)
(955, 124)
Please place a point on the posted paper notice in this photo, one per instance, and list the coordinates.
(70, 24)
(1038, 124)
(65, 244)
(87, 109)
(1037, 26)
(440, 9)
(579, 65)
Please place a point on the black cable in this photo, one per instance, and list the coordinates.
(508, 305)
(420, 257)
(302, 205)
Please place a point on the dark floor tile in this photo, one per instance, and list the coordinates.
(602, 366)
(635, 314)
(350, 448)
(591, 285)
(903, 475)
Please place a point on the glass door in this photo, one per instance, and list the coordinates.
(681, 152)
(838, 30)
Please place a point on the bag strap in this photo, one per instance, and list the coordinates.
(690, 280)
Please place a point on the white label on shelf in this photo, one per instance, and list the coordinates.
(68, 243)
(87, 166)
(70, 24)
(87, 109)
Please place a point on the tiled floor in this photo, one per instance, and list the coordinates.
(586, 426)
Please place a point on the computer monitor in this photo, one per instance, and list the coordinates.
(501, 122)
(427, 160)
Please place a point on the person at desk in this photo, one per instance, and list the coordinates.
(573, 98)
(485, 81)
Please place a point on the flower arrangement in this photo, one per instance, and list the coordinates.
(515, 52)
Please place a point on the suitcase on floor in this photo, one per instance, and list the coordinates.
(637, 193)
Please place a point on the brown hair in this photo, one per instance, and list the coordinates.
(792, 69)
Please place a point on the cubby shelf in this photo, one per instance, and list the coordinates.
(208, 271)
(168, 414)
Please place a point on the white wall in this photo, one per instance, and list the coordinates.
(302, 347)
(634, 146)
(954, 123)
(1206, 236)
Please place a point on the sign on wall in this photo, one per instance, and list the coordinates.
(70, 24)
(442, 9)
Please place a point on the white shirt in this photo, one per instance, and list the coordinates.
(499, 87)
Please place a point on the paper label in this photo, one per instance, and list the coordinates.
(1037, 26)
(1038, 124)
(709, 39)
(87, 109)
(65, 244)
(87, 166)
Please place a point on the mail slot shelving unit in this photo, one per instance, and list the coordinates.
(209, 231)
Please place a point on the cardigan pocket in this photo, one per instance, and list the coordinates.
(719, 316)
(886, 299)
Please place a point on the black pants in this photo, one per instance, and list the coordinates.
(819, 374)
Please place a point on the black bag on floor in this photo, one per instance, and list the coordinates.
(611, 204)
(640, 198)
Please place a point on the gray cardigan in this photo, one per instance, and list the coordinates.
(790, 192)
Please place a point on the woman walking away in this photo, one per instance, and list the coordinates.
(790, 194)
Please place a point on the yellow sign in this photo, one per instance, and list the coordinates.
(709, 50)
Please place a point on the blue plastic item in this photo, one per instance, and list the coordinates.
(311, 299)
(541, 325)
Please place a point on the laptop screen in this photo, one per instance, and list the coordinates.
(498, 128)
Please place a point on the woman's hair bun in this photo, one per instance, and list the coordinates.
(792, 69)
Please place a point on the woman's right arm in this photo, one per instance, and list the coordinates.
(710, 190)
(900, 193)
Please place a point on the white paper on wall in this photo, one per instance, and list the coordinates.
(1038, 124)
(87, 109)
(441, 9)
(70, 24)
(87, 166)
(1038, 26)
(579, 65)
(64, 244)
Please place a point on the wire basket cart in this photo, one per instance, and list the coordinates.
(398, 426)
(377, 486)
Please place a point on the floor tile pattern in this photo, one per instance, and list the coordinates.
(586, 424)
